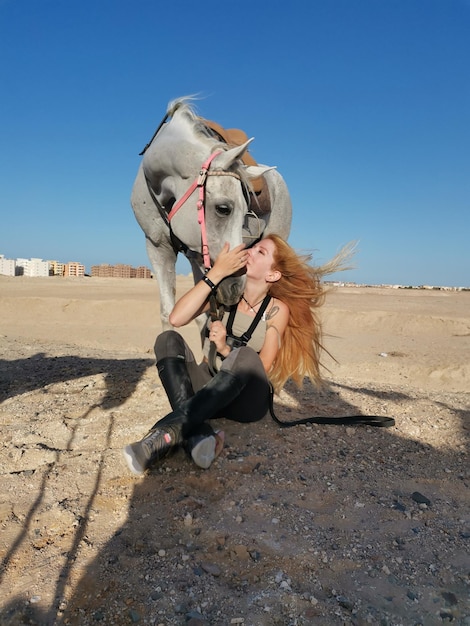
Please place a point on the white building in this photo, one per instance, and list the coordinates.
(7, 266)
(32, 267)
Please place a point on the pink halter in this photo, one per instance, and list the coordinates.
(200, 183)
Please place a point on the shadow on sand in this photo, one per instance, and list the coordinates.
(37, 373)
(284, 516)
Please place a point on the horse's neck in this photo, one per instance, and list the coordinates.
(186, 144)
(183, 129)
(177, 151)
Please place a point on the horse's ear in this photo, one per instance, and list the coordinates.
(254, 171)
(225, 159)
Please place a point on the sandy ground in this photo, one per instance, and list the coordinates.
(307, 525)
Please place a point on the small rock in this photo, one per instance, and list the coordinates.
(255, 555)
(420, 499)
(345, 603)
(446, 616)
(449, 597)
(211, 568)
(279, 576)
(240, 552)
(194, 618)
(135, 617)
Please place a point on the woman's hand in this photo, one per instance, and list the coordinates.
(195, 301)
(229, 261)
(218, 334)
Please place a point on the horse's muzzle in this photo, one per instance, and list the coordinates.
(231, 289)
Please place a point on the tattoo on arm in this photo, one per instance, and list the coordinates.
(272, 312)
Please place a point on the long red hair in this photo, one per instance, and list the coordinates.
(302, 289)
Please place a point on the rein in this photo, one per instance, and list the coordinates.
(155, 134)
(200, 184)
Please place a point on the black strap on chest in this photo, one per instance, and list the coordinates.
(246, 336)
(232, 340)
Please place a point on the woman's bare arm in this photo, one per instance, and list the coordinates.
(196, 300)
(278, 318)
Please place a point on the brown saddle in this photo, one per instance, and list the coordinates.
(260, 201)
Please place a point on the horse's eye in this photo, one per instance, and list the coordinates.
(223, 210)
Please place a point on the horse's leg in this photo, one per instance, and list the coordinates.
(159, 248)
(163, 260)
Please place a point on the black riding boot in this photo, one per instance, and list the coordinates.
(201, 443)
(204, 444)
(160, 440)
(181, 423)
(175, 379)
(155, 446)
(207, 403)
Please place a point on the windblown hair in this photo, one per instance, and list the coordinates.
(302, 289)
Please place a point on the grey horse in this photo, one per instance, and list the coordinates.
(193, 193)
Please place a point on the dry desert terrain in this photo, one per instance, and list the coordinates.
(318, 524)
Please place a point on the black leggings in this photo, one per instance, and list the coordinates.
(252, 404)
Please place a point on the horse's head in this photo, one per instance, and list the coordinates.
(221, 216)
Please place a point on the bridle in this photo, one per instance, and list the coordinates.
(200, 184)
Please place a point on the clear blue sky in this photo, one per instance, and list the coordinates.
(363, 105)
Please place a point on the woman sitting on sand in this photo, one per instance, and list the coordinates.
(283, 291)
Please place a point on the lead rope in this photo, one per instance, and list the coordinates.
(348, 420)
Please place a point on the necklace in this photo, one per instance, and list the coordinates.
(252, 307)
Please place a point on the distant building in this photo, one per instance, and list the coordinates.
(31, 267)
(7, 266)
(123, 271)
(74, 269)
(120, 271)
(103, 271)
(38, 267)
(143, 272)
(56, 268)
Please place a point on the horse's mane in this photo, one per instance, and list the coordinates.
(185, 107)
